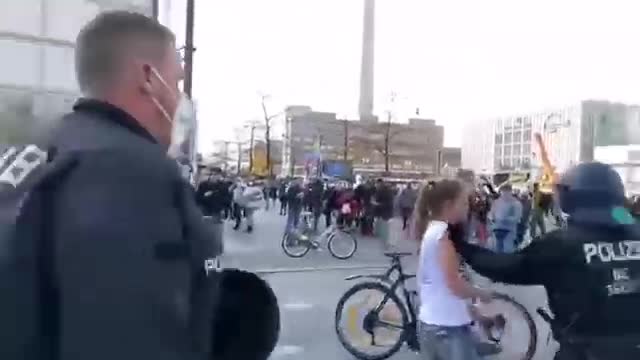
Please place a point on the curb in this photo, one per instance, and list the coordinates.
(318, 268)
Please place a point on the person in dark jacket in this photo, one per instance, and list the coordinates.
(314, 196)
(364, 193)
(211, 195)
(295, 194)
(282, 194)
(330, 203)
(133, 258)
(383, 209)
(590, 269)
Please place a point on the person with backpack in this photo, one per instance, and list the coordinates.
(106, 255)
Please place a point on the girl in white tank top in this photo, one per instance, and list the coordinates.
(445, 317)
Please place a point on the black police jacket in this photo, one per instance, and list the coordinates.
(211, 196)
(132, 254)
(591, 275)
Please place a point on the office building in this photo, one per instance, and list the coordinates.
(37, 78)
(312, 136)
(507, 144)
(449, 161)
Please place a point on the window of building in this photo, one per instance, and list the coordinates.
(517, 123)
(517, 137)
(517, 162)
(526, 135)
(508, 137)
(527, 122)
(21, 16)
(19, 63)
(498, 139)
(507, 162)
(507, 151)
(498, 150)
(516, 149)
(59, 70)
(526, 149)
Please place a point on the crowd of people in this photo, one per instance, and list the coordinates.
(367, 206)
(502, 218)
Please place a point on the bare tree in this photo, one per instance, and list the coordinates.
(345, 132)
(388, 135)
(267, 131)
(380, 138)
(252, 126)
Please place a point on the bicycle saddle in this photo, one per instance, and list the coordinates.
(397, 254)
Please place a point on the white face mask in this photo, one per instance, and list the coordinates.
(183, 124)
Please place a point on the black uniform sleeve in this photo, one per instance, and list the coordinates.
(529, 266)
(118, 299)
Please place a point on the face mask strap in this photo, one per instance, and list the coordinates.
(155, 100)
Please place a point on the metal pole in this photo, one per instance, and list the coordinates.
(239, 157)
(226, 155)
(251, 140)
(155, 11)
(189, 49)
(267, 135)
(345, 154)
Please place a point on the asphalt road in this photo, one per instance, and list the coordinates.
(309, 288)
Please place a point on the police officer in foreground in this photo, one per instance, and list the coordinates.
(590, 270)
(133, 257)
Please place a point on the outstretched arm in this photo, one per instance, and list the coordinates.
(525, 267)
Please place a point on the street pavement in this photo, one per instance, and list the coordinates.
(309, 288)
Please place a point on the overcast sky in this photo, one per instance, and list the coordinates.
(455, 60)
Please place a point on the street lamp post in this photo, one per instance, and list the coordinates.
(188, 48)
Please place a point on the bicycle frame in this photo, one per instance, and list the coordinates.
(396, 266)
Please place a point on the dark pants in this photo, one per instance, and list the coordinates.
(215, 225)
(237, 215)
(504, 240)
(283, 206)
(406, 215)
(317, 211)
(366, 222)
(537, 222)
(327, 218)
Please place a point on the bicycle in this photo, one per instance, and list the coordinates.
(297, 243)
(372, 320)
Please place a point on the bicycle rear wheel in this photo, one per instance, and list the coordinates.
(518, 338)
(371, 334)
(294, 246)
(342, 244)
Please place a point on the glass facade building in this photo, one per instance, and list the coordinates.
(37, 79)
(570, 134)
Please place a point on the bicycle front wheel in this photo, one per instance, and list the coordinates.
(294, 246)
(371, 321)
(342, 244)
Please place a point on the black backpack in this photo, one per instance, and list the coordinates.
(28, 302)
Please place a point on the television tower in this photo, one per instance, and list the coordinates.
(365, 106)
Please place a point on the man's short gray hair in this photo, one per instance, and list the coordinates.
(105, 41)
